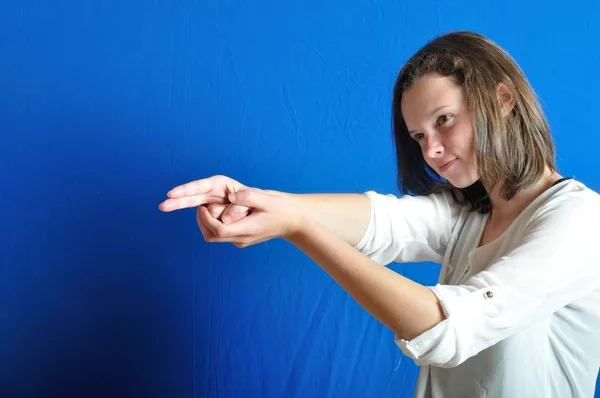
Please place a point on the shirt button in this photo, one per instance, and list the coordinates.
(489, 294)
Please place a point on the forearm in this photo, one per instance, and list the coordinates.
(404, 306)
(344, 214)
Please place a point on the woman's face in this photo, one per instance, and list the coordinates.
(436, 115)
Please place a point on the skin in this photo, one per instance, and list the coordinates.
(436, 114)
(437, 117)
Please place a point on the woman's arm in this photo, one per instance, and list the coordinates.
(383, 227)
(344, 214)
(404, 306)
(554, 262)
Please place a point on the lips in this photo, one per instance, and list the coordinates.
(445, 166)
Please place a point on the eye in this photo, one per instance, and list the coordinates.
(418, 136)
(443, 119)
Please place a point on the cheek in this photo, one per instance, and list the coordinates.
(463, 138)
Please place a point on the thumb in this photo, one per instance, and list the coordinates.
(249, 197)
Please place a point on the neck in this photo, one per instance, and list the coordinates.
(506, 209)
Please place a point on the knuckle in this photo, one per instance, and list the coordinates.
(215, 210)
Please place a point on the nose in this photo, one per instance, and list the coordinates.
(433, 147)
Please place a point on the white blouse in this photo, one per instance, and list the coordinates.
(522, 312)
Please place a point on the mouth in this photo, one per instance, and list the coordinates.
(447, 165)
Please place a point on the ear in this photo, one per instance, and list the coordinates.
(506, 98)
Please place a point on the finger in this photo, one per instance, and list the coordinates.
(251, 226)
(234, 213)
(206, 233)
(216, 210)
(189, 201)
(204, 218)
(209, 236)
(227, 213)
(247, 228)
(191, 188)
(245, 242)
(208, 221)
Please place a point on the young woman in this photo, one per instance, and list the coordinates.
(516, 311)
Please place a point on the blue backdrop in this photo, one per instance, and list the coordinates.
(104, 106)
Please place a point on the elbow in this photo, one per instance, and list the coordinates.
(437, 357)
(427, 319)
(439, 346)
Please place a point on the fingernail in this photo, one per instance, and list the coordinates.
(226, 219)
(232, 196)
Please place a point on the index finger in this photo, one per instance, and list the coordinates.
(191, 188)
(187, 202)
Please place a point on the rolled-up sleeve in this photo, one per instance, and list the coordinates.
(555, 262)
(408, 228)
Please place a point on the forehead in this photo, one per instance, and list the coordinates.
(428, 93)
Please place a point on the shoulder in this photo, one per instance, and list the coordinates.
(570, 208)
(569, 198)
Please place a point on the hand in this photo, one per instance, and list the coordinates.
(271, 216)
(210, 192)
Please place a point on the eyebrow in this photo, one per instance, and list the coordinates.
(430, 114)
(436, 110)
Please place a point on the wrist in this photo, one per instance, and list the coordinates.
(301, 226)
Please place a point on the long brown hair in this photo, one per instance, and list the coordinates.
(512, 151)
